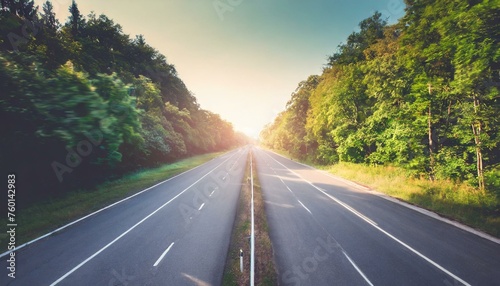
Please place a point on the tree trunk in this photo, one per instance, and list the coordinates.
(429, 131)
(476, 130)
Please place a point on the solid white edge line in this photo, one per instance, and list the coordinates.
(357, 269)
(304, 206)
(382, 230)
(252, 235)
(163, 255)
(349, 208)
(404, 204)
(100, 210)
(131, 228)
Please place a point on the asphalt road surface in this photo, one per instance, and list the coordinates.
(176, 233)
(326, 231)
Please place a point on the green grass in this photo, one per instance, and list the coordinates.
(457, 201)
(47, 216)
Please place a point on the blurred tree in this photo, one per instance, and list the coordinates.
(371, 29)
(422, 94)
(49, 19)
(76, 22)
(67, 86)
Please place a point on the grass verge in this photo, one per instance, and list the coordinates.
(44, 217)
(265, 271)
(457, 201)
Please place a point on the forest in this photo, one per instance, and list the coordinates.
(421, 94)
(82, 102)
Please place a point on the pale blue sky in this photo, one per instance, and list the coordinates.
(241, 58)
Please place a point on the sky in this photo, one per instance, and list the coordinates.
(241, 59)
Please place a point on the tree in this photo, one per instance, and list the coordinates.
(8, 5)
(49, 19)
(76, 21)
(477, 65)
(422, 94)
(371, 29)
(86, 102)
(49, 44)
(27, 9)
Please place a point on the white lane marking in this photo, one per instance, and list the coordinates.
(252, 232)
(283, 181)
(163, 255)
(379, 228)
(350, 208)
(202, 205)
(357, 269)
(405, 204)
(131, 228)
(212, 193)
(98, 211)
(290, 190)
(304, 207)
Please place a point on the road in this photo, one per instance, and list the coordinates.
(176, 233)
(327, 232)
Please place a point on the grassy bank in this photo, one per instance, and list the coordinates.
(265, 271)
(457, 201)
(47, 216)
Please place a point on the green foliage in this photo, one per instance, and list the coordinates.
(421, 94)
(75, 21)
(372, 29)
(493, 179)
(88, 99)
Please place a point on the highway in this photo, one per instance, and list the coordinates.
(175, 233)
(326, 231)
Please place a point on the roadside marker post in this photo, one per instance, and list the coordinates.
(241, 260)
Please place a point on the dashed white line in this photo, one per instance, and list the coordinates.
(407, 205)
(357, 269)
(202, 205)
(304, 207)
(96, 212)
(163, 255)
(131, 228)
(377, 227)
